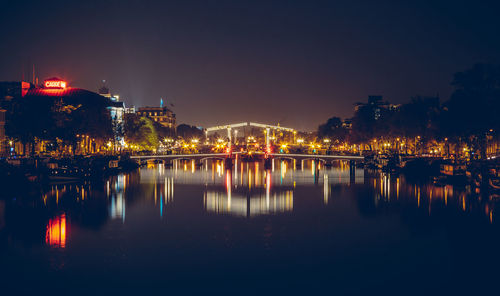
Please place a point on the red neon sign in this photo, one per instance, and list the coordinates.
(55, 84)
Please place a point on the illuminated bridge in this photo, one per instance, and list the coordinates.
(223, 156)
(267, 127)
(297, 159)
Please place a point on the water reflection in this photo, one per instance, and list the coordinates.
(115, 194)
(246, 190)
(246, 202)
(395, 190)
(55, 236)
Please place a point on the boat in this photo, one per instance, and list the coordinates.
(453, 169)
(453, 172)
(68, 173)
(494, 183)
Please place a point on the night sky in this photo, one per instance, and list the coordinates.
(293, 62)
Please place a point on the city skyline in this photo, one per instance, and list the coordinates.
(266, 61)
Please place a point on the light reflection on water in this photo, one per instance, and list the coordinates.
(246, 189)
(172, 209)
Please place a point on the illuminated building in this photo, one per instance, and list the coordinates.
(2, 132)
(116, 111)
(13, 89)
(162, 115)
(8, 91)
(130, 110)
(53, 89)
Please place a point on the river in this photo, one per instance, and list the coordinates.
(245, 230)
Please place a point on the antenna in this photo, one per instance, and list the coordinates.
(33, 73)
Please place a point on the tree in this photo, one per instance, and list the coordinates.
(50, 117)
(140, 131)
(472, 110)
(188, 132)
(163, 131)
(333, 129)
(370, 120)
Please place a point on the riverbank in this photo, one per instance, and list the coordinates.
(29, 175)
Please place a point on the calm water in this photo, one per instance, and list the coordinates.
(246, 230)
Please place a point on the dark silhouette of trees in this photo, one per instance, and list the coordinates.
(189, 132)
(140, 131)
(163, 131)
(417, 118)
(474, 107)
(47, 117)
(470, 116)
(370, 120)
(333, 129)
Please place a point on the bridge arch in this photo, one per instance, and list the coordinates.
(212, 157)
(286, 158)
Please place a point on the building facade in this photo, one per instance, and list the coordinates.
(162, 115)
(116, 111)
(2, 133)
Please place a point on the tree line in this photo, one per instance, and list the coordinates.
(470, 116)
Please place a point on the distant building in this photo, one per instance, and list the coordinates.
(130, 110)
(376, 104)
(51, 88)
(116, 111)
(2, 132)
(162, 115)
(13, 89)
